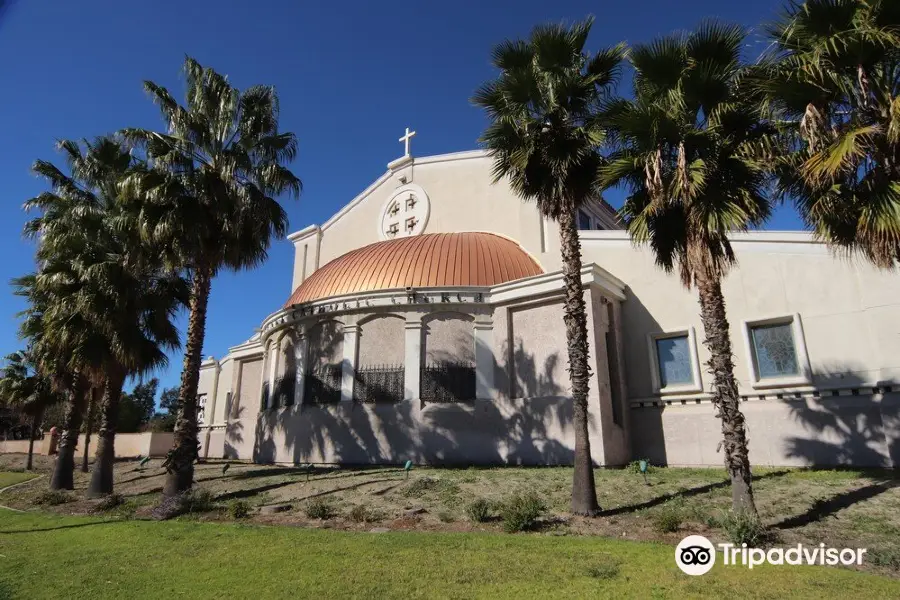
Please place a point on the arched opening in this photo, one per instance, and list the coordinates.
(285, 372)
(324, 367)
(379, 370)
(448, 358)
(270, 357)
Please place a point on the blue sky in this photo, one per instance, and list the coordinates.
(351, 75)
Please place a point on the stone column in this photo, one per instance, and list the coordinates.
(348, 365)
(413, 357)
(301, 355)
(484, 358)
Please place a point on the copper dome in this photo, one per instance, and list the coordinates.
(430, 260)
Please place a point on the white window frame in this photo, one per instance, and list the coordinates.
(696, 385)
(803, 378)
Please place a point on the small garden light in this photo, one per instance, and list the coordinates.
(643, 467)
(407, 467)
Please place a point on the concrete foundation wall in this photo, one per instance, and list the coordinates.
(533, 431)
(857, 430)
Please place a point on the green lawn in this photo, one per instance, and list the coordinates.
(11, 478)
(47, 556)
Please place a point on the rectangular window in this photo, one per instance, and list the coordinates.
(584, 220)
(612, 364)
(674, 358)
(774, 352)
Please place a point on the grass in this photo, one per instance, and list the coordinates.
(840, 507)
(87, 557)
(8, 478)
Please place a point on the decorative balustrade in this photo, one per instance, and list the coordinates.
(323, 385)
(379, 384)
(448, 382)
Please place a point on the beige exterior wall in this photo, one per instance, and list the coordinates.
(850, 312)
(448, 337)
(859, 430)
(850, 316)
(381, 341)
(326, 343)
(20, 446)
(224, 395)
(128, 445)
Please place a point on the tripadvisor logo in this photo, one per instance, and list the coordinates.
(696, 555)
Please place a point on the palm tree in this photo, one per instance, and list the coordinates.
(24, 388)
(62, 345)
(210, 188)
(115, 281)
(543, 137)
(832, 80)
(89, 429)
(692, 152)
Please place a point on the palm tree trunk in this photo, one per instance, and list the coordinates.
(584, 492)
(180, 461)
(89, 426)
(64, 470)
(102, 475)
(35, 423)
(726, 398)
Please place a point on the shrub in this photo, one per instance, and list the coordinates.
(417, 487)
(668, 518)
(886, 557)
(479, 510)
(742, 527)
(196, 500)
(109, 502)
(239, 509)
(362, 514)
(317, 508)
(521, 512)
(53, 498)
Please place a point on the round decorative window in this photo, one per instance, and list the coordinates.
(405, 213)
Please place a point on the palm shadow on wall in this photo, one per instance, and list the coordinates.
(859, 430)
(515, 431)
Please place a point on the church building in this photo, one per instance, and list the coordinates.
(424, 323)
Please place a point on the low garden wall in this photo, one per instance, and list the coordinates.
(128, 445)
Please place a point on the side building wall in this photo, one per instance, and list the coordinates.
(527, 419)
(842, 410)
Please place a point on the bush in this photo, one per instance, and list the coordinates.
(239, 509)
(886, 557)
(521, 512)
(317, 508)
(362, 514)
(53, 498)
(668, 518)
(109, 502)
(197, 500)
(479, 510)
(743, 528)
(417, 487)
